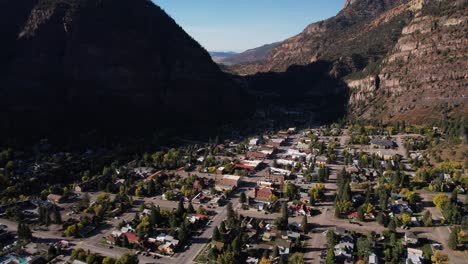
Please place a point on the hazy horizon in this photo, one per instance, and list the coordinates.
(241, 25)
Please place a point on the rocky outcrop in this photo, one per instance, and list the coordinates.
(424, 78)
(107, 63)
(364, 28)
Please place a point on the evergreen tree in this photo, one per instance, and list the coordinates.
(243, 198)
(190, 208)
(56, 214)
(305, 224)
(392, 225)
(275, 252)
(222, 227)
(330, 256)
(180, 208)
(216, 234)
(453, 240)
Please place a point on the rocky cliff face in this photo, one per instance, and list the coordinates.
(363, 31)
(87, 63)
(424, 77)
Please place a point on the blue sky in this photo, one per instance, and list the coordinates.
(237, 25)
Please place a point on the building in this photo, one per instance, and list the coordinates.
(133, 238)
(228, 182)
(386, 154)
(254, 141)
(321, 160)
(414, 256)
(382, 143)
(263, 194)
(276, 142)
(54, 198)
(250, 165)
(411, 238)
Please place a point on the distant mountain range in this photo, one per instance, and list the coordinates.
(248, 56)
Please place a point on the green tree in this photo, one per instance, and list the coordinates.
(305, 224)
(427, 219)
(296, 258)
(127, 259)
(243, 198)
(56, 215)
(330, 259)
(227, 258)
(180, 208)
(216, 234)
(275, 252)
(108, 260)
(453, 240)
(190, 208)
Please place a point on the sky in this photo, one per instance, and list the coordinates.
(238, 25)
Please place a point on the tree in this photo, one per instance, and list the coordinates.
(363, 247)
(56, 214)
(265, 260)
(439, 258)
(108, 260)
(127, 259)
(440, 200)
(454, 196)
(227, 258)
(201, 210)
(236, 244)
(190, 208)
(216, 234)
(24, 232)
(305, 224)
(243, 198)
(222, 227)
(427, 219)
(183, 234)
(392, 225)
(453, 240)
(180, 208)
(330, 256)
(275, 252)
(296, 258)
(312, 200)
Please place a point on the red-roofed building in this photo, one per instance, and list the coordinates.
(263, 194)
(133, 238)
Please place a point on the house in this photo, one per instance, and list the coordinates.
(386, 154)
(414, 256)
(220, 170)
(279, 171)
(133, 238)
(54, 198)
(321, 160)
(111, 240)
(411, 238)
(254, 141)
(250, 165)
(276, 142)
(167, 248)
(373, 259)
(263, 194)
(382, 143)
(293, 235)
(228, 182)
(265, 184)
(257, 155)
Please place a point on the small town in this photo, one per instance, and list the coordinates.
(331, 194)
